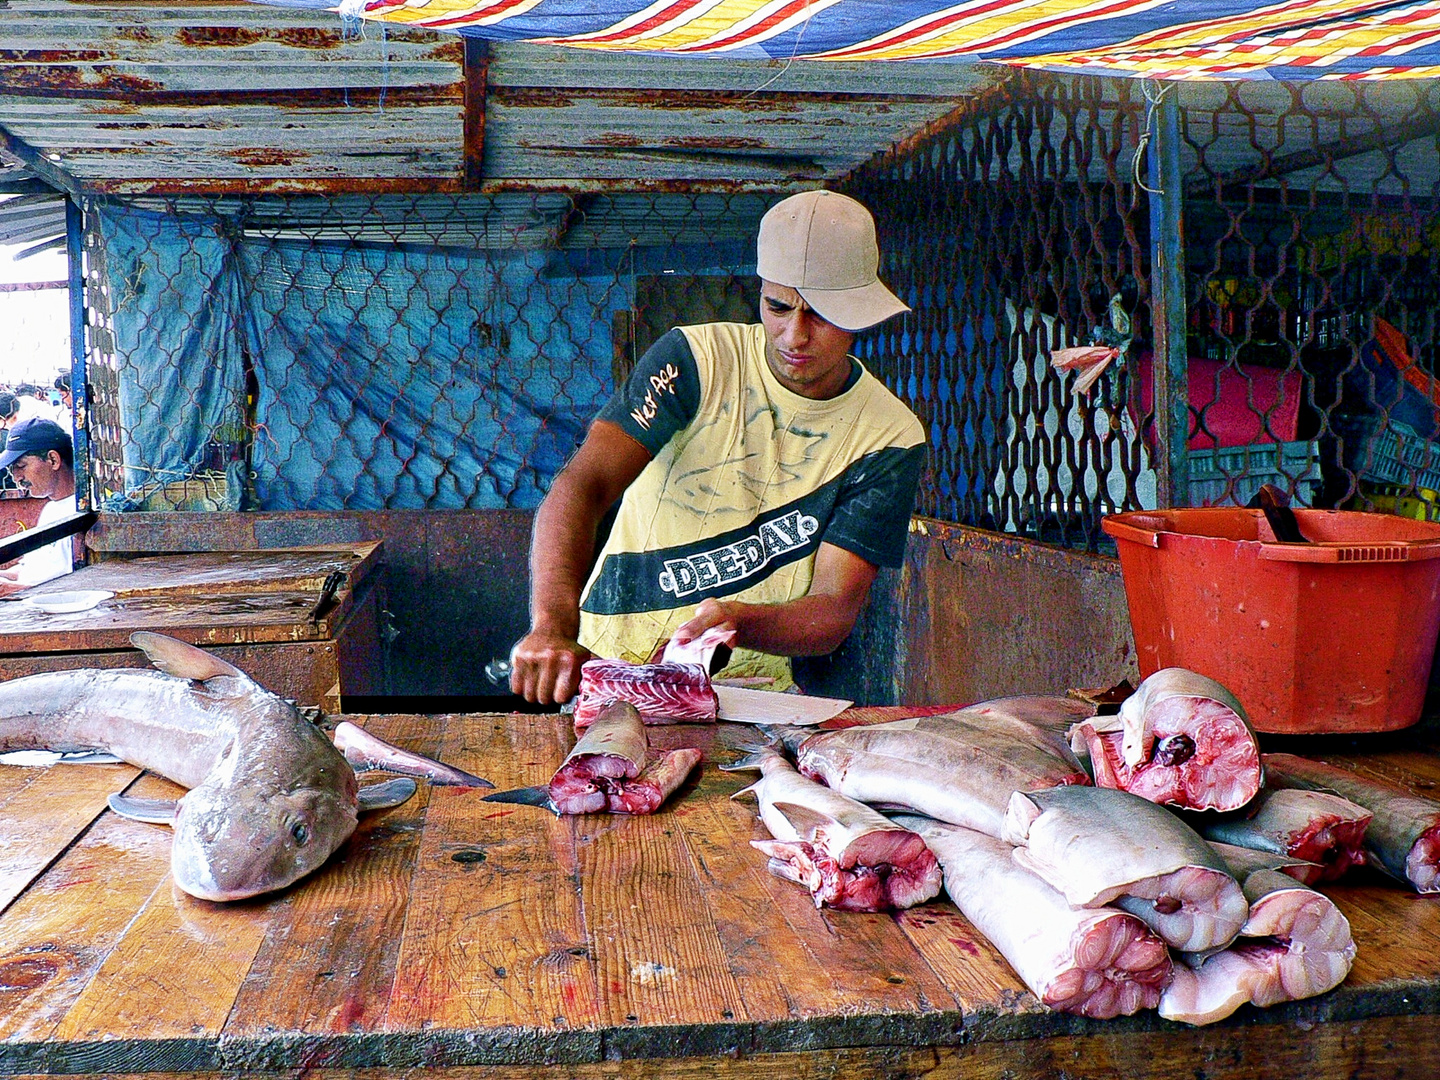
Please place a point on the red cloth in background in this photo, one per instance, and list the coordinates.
(1236, 415)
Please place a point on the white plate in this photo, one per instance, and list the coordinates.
(62, 603)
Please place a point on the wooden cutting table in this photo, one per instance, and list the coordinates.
(259, 610)
(453, 937)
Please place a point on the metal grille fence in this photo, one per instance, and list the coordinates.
(399, 352)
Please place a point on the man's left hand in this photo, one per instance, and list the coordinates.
(710, 614)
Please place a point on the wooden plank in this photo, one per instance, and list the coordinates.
(831, 959)
(495, 935)
(218, 572)
(1395, 930)
(43, 817)
(173, 977)
(329, 956)
(303, 671)
(55, 937)
(973, 969)
(222, 619)
(1393, 1047)
(659, 963)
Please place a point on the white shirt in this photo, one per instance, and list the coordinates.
(32, 407)
(52, 560)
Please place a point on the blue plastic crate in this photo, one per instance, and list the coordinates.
(1290, 466)
(1390, 452)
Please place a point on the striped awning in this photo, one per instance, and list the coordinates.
(1182, 39)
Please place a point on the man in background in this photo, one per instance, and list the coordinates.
(40, 456)
(9, 414)
(65, 400)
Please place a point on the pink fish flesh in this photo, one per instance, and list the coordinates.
(1180, 740)
(610, 768)
(957, 767)
(1403, 837)
(661, 693)
(1311, 825)
(711, 650)
(850, 857)
(1295, 944)
(1101, 846)
(1097, 962)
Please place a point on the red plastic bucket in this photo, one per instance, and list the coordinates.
(1336, 635)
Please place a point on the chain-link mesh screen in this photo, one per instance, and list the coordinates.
(1313, 245)
(384, 352)
(1009, 233)
(410, 351)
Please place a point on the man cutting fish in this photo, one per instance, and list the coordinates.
(764, 476)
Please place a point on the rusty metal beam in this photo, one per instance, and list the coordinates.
(672, 99)
(19, 150)
(979, 103)
(433, 185)
(25, 185)
(1326, 153)
(43, 84)
(41, 81)
(477, 76)
(1167, 299)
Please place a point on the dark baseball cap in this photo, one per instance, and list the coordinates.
(35, 435)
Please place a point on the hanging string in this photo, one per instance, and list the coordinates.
(1153, 97)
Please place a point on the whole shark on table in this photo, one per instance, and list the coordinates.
(271, 797)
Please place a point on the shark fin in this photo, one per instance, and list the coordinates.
(804, 820)
(181, 660)
(746, 790)
(751, 758)
(386, 794)
(367, 753)
(152, 811)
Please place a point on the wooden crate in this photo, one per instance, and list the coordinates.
(253, 608)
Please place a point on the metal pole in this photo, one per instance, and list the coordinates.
(74, 249)
(1167, 297)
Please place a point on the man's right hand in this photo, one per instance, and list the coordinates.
(545, 667)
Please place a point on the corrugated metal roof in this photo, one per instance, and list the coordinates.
(231, 96)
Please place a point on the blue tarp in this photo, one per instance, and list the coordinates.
(386, 376)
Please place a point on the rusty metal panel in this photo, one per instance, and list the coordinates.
(230, 90)
(984, 615)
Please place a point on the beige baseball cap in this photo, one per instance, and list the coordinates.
(822, 245)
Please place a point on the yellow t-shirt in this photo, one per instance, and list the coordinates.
(748, 478)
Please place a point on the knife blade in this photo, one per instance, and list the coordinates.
(525, 796)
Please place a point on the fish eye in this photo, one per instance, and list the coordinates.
(301, 832)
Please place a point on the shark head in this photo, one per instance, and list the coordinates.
(229, 850)
(260, 824)
(278, 801)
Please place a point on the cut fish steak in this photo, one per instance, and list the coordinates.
(662, 693)
(849, 856)
(1181, 740)
(1312, 825)
(958, 767)
(611, 769)
(1295, 944)
(1101, 846)
(1403, 837)
(1095, 962)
